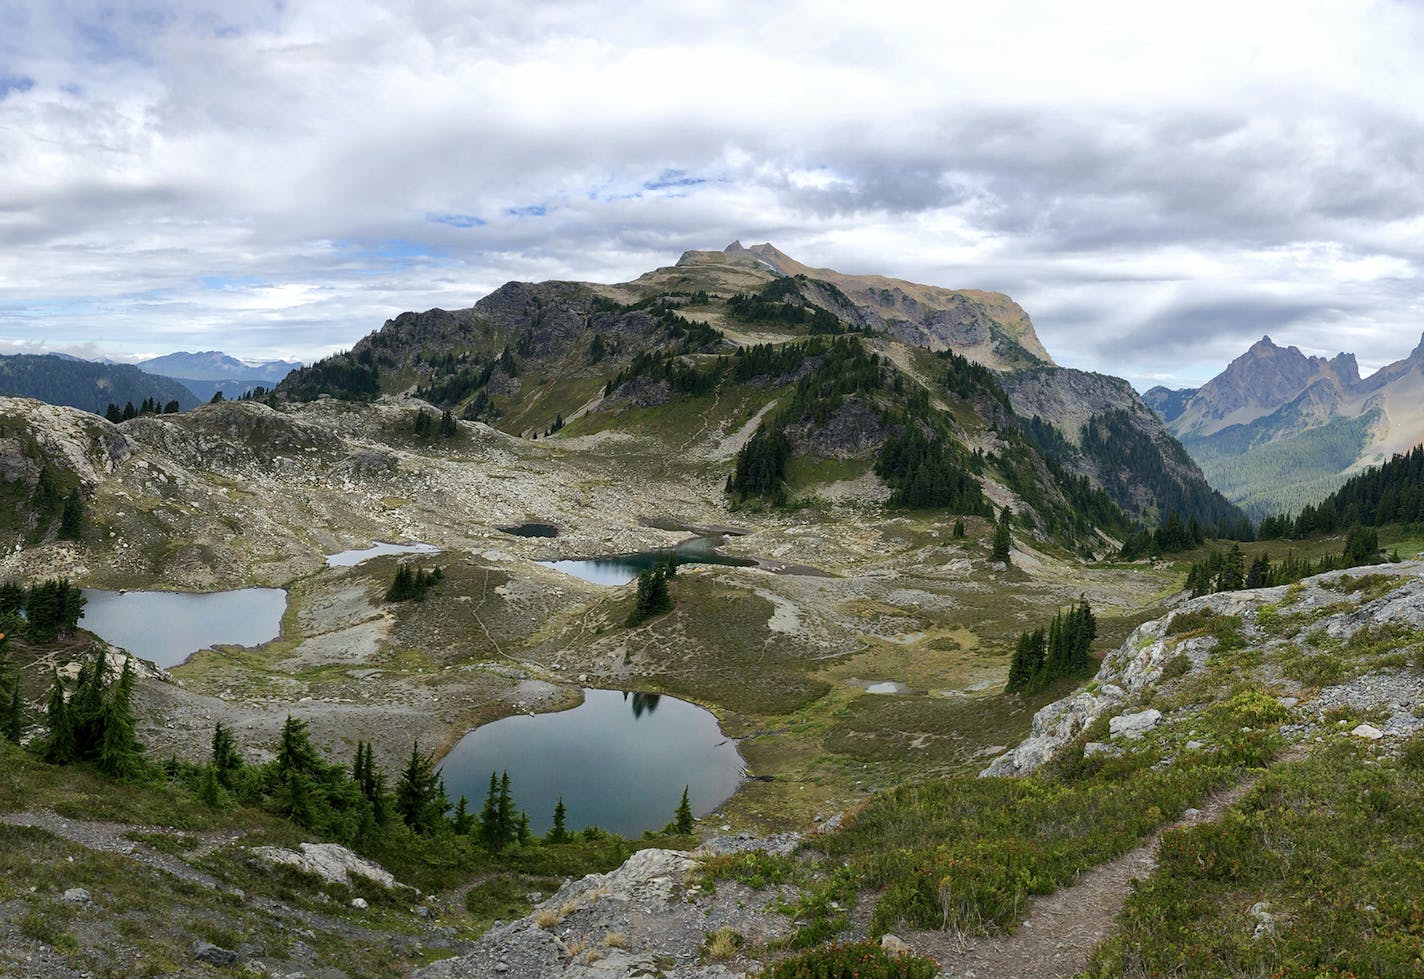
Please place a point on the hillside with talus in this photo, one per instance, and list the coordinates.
(921, 395)
(1278, 430)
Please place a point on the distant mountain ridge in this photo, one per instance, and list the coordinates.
(214, 365)
(1278, 429)
(86, 385)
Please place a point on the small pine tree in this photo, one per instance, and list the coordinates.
(114, 413)
(9, 698)
(71, 521)
(559, 833)
(1003, 538)
(448, 426)
(959, 531)
(682, 819)
(225, 761)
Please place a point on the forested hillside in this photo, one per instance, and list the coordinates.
(86, 385)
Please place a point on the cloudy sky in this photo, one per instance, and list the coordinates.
(1158, 184)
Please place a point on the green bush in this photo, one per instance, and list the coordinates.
(862, 960)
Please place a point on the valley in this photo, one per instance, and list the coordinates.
(459, 526)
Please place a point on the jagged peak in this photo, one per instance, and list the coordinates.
(1418, 352)
(735, 246)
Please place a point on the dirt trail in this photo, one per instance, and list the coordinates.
(1063, 928)
(110, 838)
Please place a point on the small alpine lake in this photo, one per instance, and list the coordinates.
(168, 626)
(619, 569)
(619, 760)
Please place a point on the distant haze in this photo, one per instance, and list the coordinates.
(1157, 185)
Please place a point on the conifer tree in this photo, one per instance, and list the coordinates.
(448, 427)
(959, 532)
(118, 751)
(10, 705)
(225, 761)
(1027, 662)
(1003, 538)
(682, 819)
(59, 746)
(558, 833)
(420, 795)
(71, 520)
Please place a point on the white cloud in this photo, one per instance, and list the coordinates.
(1158, 184)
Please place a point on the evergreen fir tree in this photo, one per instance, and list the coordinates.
(558, 833)
(59, 746)
(448, 426)
(225, 761)
(119, 755)
(13, 715)
(1003, 538)
(420, 796)
(1027, 662)
(682, 819)
(959, 531)
(71, 521)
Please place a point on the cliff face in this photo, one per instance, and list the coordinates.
(1122, 446)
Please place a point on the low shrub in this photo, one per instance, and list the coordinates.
(862, 960)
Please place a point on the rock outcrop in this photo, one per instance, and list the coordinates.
(1140, 662)
(647, 918)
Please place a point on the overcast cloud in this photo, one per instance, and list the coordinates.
(1158, 186)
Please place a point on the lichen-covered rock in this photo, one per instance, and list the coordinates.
(1133, 726)
(329, 861)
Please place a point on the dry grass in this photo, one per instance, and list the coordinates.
(722, 944)
(546, 918)
(615, 939)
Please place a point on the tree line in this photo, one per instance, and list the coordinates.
(1228, 570)
(149, 406)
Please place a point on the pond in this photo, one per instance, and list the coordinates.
(531, 530)
(619, 761)
(619, 569)
(347, 559)
(168, 627)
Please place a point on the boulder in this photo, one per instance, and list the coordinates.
(331, 862)
(1134, 726)
(213, 955)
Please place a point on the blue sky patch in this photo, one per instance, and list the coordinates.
(527, 211)
(456, 220)
(673, 178)
(14, 83)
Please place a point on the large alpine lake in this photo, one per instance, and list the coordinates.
(619, 761)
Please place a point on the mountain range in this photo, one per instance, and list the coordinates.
(212, 371)
(1278, 429)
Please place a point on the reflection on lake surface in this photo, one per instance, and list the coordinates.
(347, 559)
(168, 627)
(619, 569)
(531, 530)
(619, 760)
